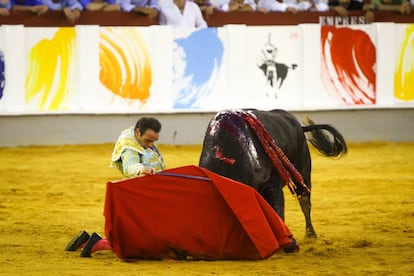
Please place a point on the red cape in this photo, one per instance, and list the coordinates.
(190, 211)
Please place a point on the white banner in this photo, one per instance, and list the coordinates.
(158, 69)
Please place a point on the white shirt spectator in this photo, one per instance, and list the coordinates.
(128, 5)
(189, 17)
(221, 5)
(272, 5)
(224, 5)
(321, 5)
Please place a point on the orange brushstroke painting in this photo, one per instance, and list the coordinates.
(125, 63)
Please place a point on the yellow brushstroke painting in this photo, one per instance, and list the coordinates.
(50, 75)
(404, 73)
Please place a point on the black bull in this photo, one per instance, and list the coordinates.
(234, 148)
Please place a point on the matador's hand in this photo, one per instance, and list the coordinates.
(148, 170)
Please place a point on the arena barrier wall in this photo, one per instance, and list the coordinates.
(356, 125)
(87, 73)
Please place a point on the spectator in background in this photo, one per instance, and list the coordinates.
(402, 6)
(343, 6)
(35, 6)
(5, 7)
(181, 13)
(275, 6)
(208, 6)
(268, 6)
(100, 5)
(242, 5)
(320, 5)
(144, 7)
(306, 5)
(298, 5)
(71, 8)
(309, 5)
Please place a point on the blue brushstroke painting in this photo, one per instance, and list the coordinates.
(198, 60)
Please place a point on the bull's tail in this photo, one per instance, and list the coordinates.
(325, 138)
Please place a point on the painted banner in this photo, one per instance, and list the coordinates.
(274, 66)
(197, 67)
(50, 81)
(119, 66)
(348, 64)
(159, 69)
(404, 65)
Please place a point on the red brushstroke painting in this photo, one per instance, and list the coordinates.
(348, 65)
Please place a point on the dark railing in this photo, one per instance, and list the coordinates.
(54, 18)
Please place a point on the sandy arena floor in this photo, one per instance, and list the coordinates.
(363, 212)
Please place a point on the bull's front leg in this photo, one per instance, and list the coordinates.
(306, 206)
(278, 204)
(273, 194)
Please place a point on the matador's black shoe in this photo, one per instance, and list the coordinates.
(77, 241)
(87, 250)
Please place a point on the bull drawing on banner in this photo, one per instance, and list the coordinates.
(268, 150)
(274, 72)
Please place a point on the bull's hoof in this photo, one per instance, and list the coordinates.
(310, 234)
(293, 247)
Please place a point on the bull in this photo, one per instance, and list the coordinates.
(269, 150)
